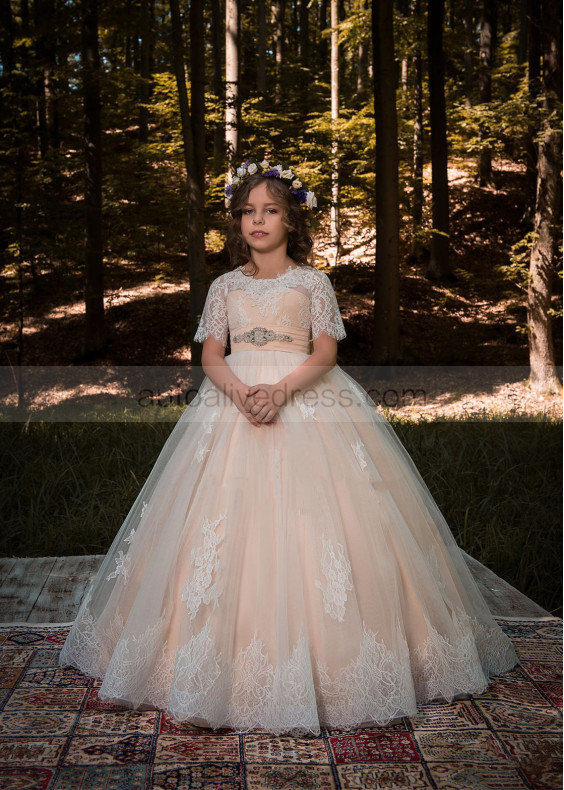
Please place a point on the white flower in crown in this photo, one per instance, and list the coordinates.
(296, 183)
(241, 171)
(265, 164)
(252, 168)
(286, 174)
(235, 180)
(311, 200)
(279, 168)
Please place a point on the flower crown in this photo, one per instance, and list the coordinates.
(252, 167)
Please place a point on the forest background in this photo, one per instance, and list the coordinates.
(430, 133)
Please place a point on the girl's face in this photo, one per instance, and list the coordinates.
(261, 221)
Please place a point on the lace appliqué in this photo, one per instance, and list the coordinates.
(366, 464)
(337, 571)
(129, 538)
(359, 455)
(131, 667)
(214, 316)
(307, 410)
(200, 589)
(443, 669)
(123, 564)
(374, 686)
(285, 320)
(196, 671)
(325, 313)
(203, 447)
(294, 695)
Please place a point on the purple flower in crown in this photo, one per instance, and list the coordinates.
(263, 168)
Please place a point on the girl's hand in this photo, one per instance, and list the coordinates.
(242, 403)
(264, 401)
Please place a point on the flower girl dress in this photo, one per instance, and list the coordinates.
(287, 577)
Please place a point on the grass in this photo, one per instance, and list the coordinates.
(65, 489)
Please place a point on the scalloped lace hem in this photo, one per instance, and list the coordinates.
(296, 696)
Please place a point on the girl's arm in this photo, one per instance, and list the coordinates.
(218, 371)
(319, 363)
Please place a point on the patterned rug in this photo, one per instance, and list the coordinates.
(55, 734)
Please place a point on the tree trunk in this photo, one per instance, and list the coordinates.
(548, 209)
(487, 44)
(145, 87)
(198, 90)
(261, 69)
(277, 19)
(522, 45)
(94, 259)
(468, 52)
(232, 80)
(304, 33)
(219, 131)
(386, 281)
(533, 80)
(334, 222)
(195, 200)
(7, 40)
(362, 63)
(417, 200)
(439, 263)
(323, 44)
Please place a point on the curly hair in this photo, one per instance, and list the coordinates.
(294, 217)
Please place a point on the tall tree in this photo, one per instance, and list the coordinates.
(362, 61)
(548, 208)
(261, 67)
(94, 258)
(232, 79)
(468, 51)
(386, 279)
(46, 84)
(533, 87)
(439, 263)
(145, 67)
(198, 91)
(195, 197)
(417, 172)
(488, 25)
(323, 44)
(278, 9)
(334, 223)
(218, 89)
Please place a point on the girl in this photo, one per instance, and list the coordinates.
(284, 566)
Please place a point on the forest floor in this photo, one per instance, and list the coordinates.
(475, 321)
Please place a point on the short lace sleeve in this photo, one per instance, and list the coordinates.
(214, 316)
(325, 313)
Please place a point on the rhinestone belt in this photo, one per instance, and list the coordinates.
(259, 335)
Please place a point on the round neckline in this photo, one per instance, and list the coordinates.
(276, 277)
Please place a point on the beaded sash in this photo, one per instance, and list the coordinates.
(280, 338)
(259, 335)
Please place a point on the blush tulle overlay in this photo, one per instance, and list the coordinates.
(289, 577)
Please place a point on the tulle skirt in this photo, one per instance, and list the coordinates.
(286, 577)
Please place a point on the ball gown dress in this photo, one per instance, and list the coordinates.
(287, 577)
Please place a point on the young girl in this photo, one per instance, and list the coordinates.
(284, 566)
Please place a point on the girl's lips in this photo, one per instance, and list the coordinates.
(259, 233)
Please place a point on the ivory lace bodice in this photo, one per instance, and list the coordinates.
(298, 304)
